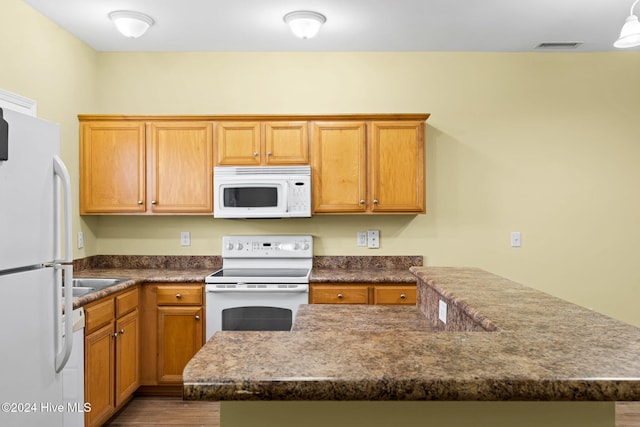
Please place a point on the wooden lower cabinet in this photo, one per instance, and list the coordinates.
(111, 355)
(179, 339)
(362, 293)
(173, 332)
(394, 295)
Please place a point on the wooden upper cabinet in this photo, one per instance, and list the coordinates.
(262, 143)
(368, 167)
(129, 167)
(180, 167)
(396, 155)
(339, 167)
(286, 143)
(238, 143)
(112, 167)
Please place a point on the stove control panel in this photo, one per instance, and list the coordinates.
(267, 246)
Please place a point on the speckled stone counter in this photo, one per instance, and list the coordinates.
(142, 269)
(541, 349)
(364, 269)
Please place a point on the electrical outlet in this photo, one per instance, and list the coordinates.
(80, 240)
(442, 311)
(362, 238)
(515, 239)
(373, 238)
(185, 238)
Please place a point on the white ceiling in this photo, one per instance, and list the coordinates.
(352, 25)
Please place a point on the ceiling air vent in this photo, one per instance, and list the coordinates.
(558, 45)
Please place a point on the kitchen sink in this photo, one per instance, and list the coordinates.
(96, 283)
(86, 285)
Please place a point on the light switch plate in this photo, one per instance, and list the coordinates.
(80, 240)
(515, 239)
(362, 238)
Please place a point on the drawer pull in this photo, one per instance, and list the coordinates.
(403, 296)
(339, 296)
(178, 296)
(140, 202)
(197, 317)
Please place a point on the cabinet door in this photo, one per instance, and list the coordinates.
(339, 167)
(180, 336)
(339, 294)
(394, 295)
(127, 356)
(238, 143)
(396, 181)
(99, 370)
(181, 167)
(286, 143)
(112, 167)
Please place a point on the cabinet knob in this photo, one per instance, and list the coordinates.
(403, 296)
(153, 202)
(121, 331)
(362, 202)
(340, 296)
(140, 202)
(268, 153)
(178, 296)
(255, 154)
(115, 335)
(375, 201)
(197, 317)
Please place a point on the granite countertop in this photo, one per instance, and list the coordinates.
(194, 269)
(540, 348)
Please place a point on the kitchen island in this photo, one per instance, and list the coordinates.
(503, 342)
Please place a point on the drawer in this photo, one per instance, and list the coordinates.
(339, 295)
(179, 295)
(127, 302)
(394, 295)
(99, 315)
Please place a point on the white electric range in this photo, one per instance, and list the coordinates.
(262, 282)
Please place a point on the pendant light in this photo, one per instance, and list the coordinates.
(304, 23)
(630, 33)
(131, 24)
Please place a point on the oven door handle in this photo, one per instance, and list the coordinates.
(297, 289)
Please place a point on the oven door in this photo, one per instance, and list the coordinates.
(253, 307)
(246, 197)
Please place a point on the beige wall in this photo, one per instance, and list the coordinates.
(545, 144)
(43, 62)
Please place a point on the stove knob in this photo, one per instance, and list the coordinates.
(305, 246)
(296, 246)
(239, 246)
(229, 246)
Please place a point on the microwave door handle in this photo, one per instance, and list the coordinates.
(286, 195)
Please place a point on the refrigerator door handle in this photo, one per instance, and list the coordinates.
(60, 170)
(62, 356)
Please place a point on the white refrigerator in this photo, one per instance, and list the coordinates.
(35, 229)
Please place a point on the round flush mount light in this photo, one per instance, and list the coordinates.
(305, 23)
(131, 24)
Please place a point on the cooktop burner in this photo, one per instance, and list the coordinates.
(261, 272)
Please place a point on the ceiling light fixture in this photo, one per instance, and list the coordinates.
(630, 33)
(304, 23)
(131, 24)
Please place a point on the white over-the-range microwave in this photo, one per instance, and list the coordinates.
(261, 191)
